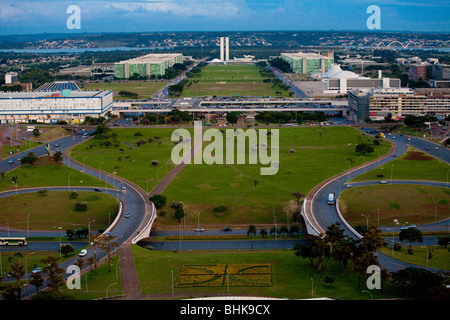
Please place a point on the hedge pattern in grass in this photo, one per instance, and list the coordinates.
(220, 275)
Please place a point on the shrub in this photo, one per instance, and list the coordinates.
(176, 204)
(158, 200)
(73, 195)
(80, 206)
(220, 209)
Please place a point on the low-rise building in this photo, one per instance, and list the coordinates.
(51, 107)
(379, 103)
(146, 66)
(308, 63)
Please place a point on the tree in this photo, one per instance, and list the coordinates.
(108, 246)
(417, 282)
(263, 233)
(284, 230)
(233, 117)
(58, 157)
(342, 252)
(29, 159)
(66, 249)
(329, 280)
(251, 230)
(18, 272)
(303, 251)
(364, 148)
(298, 196)
(158, 200)
(55, 272)
(293, 230)
(36, 132)
(37, 280)
(373, 239)
(411, 235)
(70, 233)
(179, 213)
(444, 241)
(319, 249)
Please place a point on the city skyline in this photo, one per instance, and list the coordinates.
(25, 17)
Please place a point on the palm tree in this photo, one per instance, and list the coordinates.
(37, 280)
(107, 245)
(342, 252)
(294, 229)
(373, 239)
(251, 230)
(18, 272)
(57, 157)
(334, 234)
(55, 272)
(263, 233)
(283, 230)
(319, 250)
(79, 263)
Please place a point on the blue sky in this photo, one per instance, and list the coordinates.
(26, 16)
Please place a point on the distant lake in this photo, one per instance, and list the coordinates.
(73, 50)
(401, 48)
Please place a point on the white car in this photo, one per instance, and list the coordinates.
(383, 181)
(201, 229)
(82, 253)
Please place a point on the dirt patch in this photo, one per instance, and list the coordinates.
(417, 156)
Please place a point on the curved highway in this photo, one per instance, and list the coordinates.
(132, 199)
(325, 214)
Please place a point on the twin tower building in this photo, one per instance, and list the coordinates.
(224, 49)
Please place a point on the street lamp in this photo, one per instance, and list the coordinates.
(26, 264)
(365, 291)
(89, 225)
(7, 226)
(100, 170)
(68, 180)
(392, 168)
(108, 289)
(83, 161)
(435, 210)
(117, 271)
(427, 253)
(393, 241)
(157, 174)
(28, 225)
(367, 218)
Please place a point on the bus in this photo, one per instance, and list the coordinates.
(331, 198)
(13, 241)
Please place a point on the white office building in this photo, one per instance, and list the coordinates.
(51, 107)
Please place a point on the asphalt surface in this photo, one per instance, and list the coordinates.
(131, 199)
(326, 214)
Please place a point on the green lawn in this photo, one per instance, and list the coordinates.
(145, 89)
(413, 165)
(439, 256)
(133, 163)
(46, 175)
(56, 210)
(291, 275)
(98, 282)
(8, 151)
(231, 80)
(414, 204)
(319, 154)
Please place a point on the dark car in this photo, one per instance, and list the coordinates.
(97, 190)
(227, 229)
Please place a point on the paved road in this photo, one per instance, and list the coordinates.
(326, 214)
(131, 199)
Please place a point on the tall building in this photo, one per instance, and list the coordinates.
(441, 72)
(224, 49)
(147, 66)
(308, 63)
(11, 77)
(378, 103)
(417, 72)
